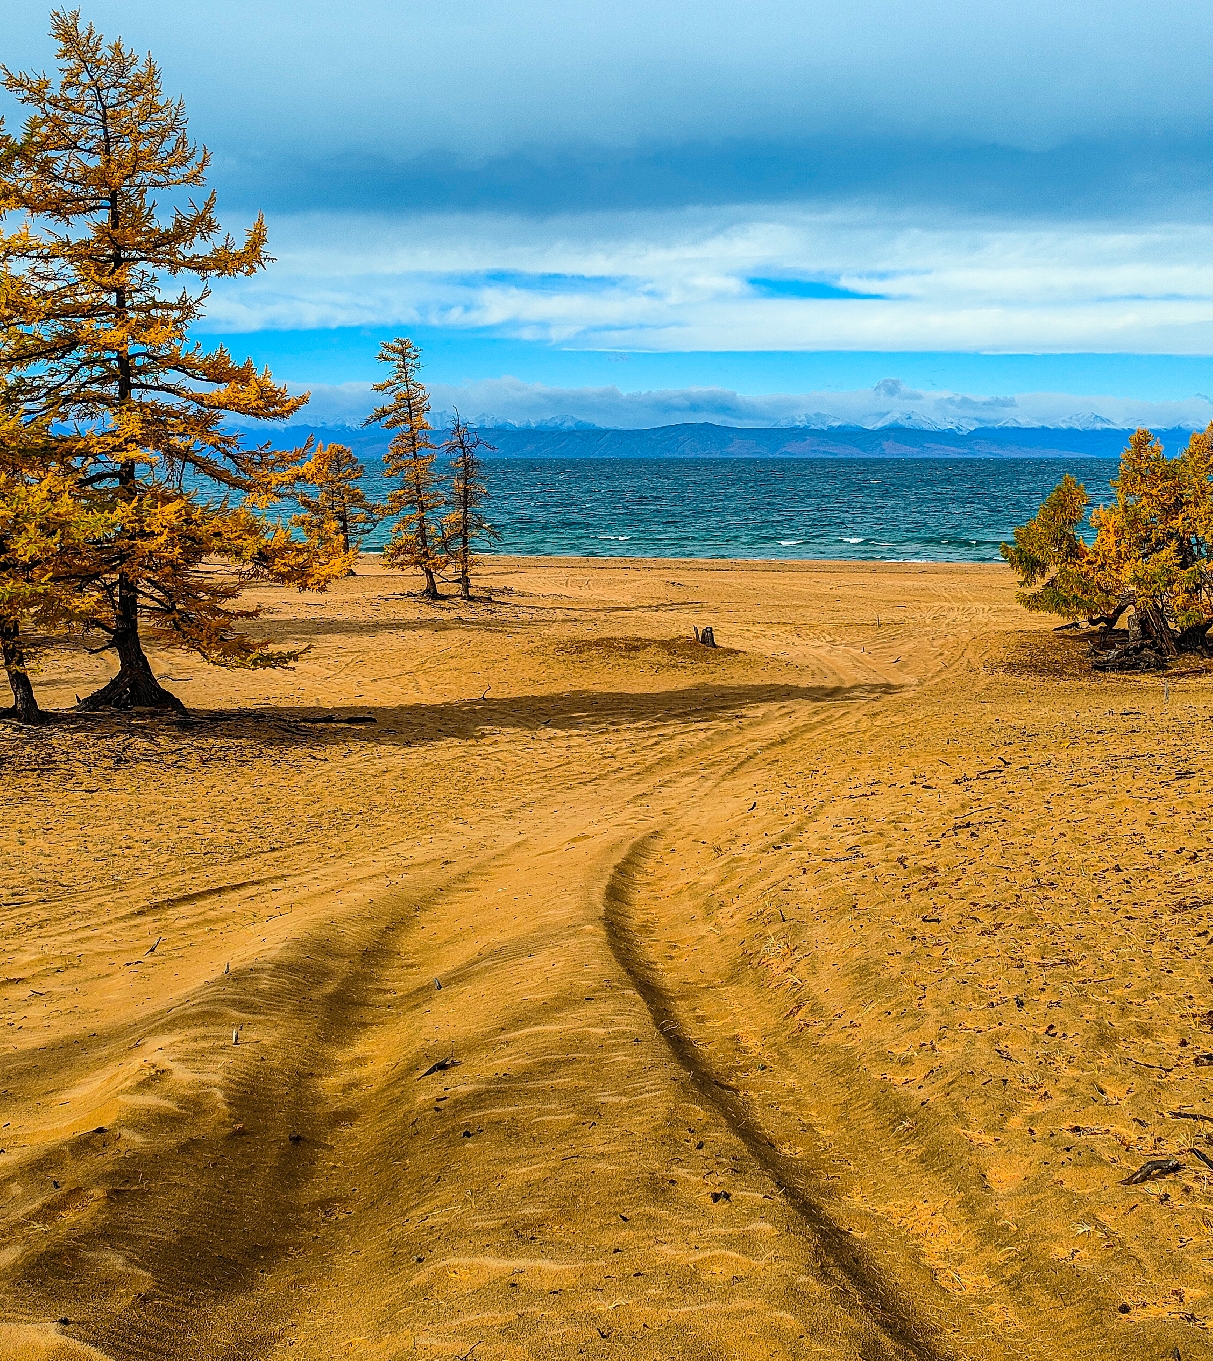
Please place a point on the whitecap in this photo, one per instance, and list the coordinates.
(852, 540)
(788, 543)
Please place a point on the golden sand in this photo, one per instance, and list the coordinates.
(808, 997)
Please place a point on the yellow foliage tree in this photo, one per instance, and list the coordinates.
(92, 338)
(416, 539)
(1153, 546)
(48, 525)
(338, 514)
(465, 523)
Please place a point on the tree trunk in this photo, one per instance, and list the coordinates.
(1157, 627)
(465, 530)
(343, 519)
(134, 687)
(25, 704)
(431, 586)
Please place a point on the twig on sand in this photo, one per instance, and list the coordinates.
(152, 951)
(1204, 1157)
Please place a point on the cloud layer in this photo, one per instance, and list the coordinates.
(648, 176)
(743, 278)
(477, 78)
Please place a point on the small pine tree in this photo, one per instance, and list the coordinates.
(465, 524)
(339, 514)
(92, 335)
(416, 539)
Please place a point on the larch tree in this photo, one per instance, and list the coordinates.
(416, 538)
(465, 523)
(335, 514)
(94, 340)
(1152, 547)
(1052, 560)
(48, 525)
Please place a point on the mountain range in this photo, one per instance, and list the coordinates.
(702, 439)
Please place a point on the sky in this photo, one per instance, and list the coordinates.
(771, 198)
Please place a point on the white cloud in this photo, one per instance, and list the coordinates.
(509, 400)
(676, 280)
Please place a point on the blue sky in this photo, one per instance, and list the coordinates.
(767, 197)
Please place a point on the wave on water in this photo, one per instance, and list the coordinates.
(910, 510)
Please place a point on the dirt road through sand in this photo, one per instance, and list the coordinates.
(607, 996)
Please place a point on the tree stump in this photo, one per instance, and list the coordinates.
(705, 636)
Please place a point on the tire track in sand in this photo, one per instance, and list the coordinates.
(856, 1278)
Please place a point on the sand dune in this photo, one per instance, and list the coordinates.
(611, 996)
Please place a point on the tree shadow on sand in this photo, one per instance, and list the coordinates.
(567, 711)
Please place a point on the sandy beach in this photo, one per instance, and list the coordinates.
(609, 995)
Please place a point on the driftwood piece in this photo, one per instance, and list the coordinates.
(1156, 1167)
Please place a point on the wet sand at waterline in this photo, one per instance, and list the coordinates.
(808, 997)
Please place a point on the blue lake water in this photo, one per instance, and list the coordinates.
(893, 509)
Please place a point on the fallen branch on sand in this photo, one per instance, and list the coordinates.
(1156, 1167)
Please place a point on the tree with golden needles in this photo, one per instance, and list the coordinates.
(1152, 550)
(336, 514)
(93, 339)
(465, 523)
(416, 539)
(48, 525)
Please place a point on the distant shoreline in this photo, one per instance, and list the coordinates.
(717, 443)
